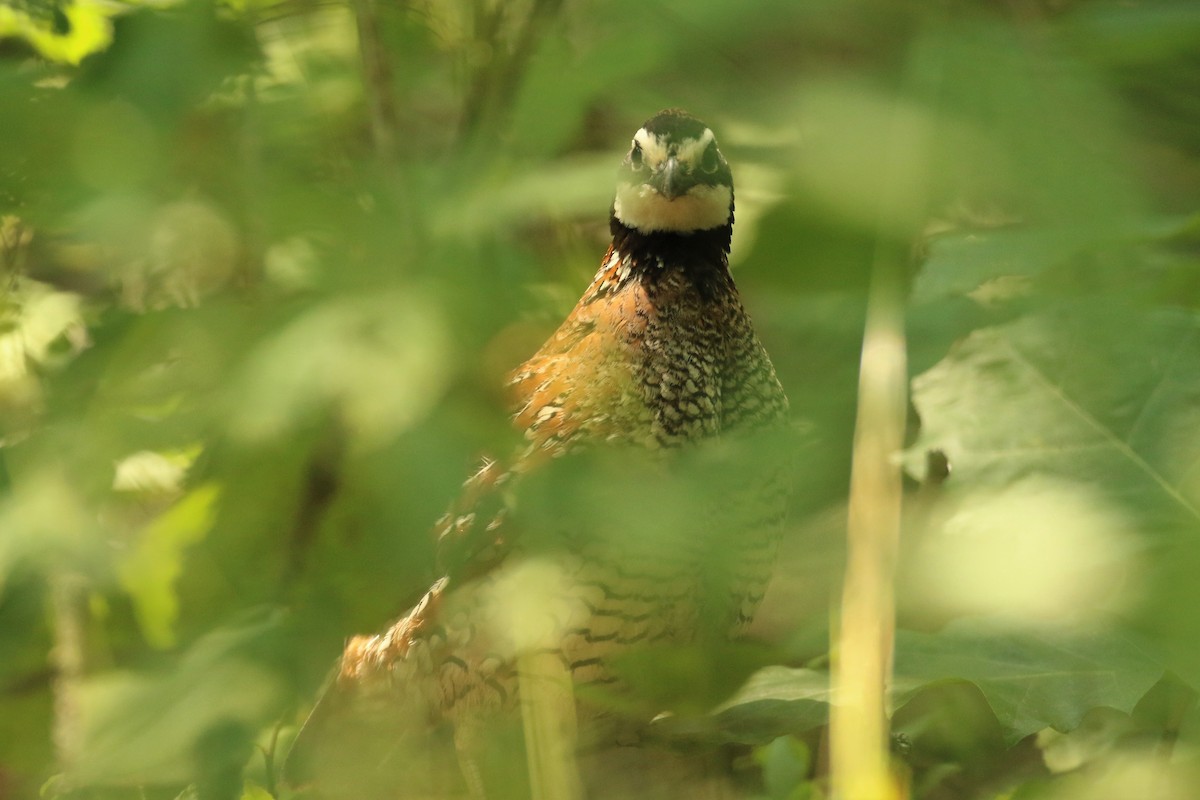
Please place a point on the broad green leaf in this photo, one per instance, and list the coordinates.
(993, 265)
(1102, 394)
(1073, 442)
(1031, 680)
(776, 701)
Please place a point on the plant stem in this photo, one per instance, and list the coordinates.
(548, 713)
(67, 592)
(864, 647)
(863, 651)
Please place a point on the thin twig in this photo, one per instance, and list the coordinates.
(377, 79)
(494, 89)
(479, 93)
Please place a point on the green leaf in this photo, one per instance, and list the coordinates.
(1031, 680)
(156, 727)
(964, 263)
(1100, 393)
(688, 680)
(150, 572)
(785, 762)
(48, 523)
(61, 32)
(774, 702)
(1070, 438)
(380, 360)
(253, 791)
(167, 59)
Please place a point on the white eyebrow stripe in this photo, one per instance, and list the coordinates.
(653, 152)
(688, 150)
(692, 150)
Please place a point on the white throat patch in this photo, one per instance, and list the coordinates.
(643, 208)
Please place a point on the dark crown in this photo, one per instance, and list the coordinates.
(676, 124)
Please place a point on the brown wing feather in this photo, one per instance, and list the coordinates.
(565, 394)
(570, 388)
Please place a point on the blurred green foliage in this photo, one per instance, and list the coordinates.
(263, 266)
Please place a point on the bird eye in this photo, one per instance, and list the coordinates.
(711, 160)
(635, 155)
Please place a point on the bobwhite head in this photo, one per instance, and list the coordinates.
(674, 179)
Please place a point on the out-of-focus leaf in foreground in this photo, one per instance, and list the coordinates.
(67, 31)
(379, 361)
(150, 572)
(141, 727)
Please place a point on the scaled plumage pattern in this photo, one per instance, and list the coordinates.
(657, 355)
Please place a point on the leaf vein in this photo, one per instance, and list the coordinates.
(1105, 433)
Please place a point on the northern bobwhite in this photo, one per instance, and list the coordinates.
(657, 359)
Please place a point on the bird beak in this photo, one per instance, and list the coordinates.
(671, 180)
